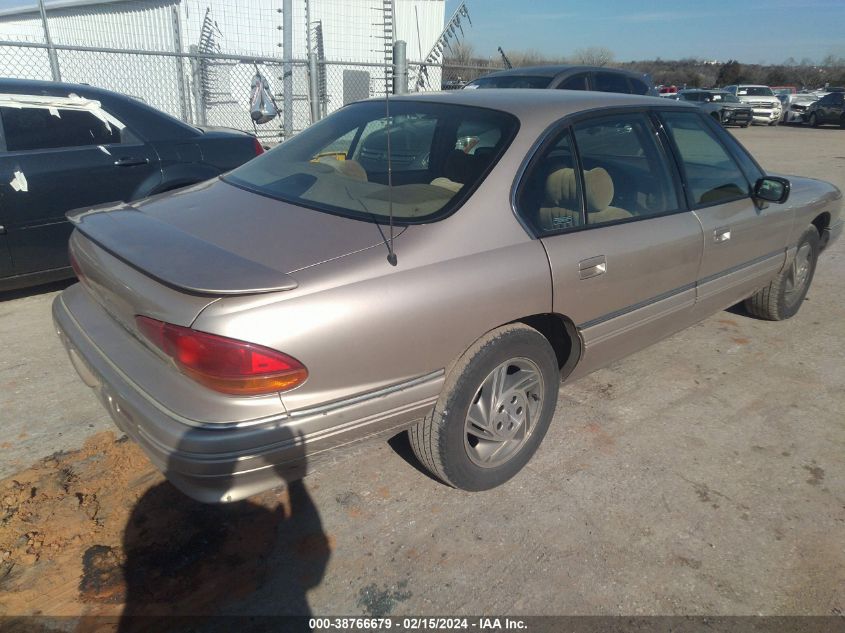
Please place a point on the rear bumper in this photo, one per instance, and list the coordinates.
(222, 463)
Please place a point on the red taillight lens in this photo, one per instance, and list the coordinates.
(224, 364)
(259, 148)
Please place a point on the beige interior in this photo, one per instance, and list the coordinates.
(561, 210)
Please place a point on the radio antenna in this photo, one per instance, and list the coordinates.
(391, 254)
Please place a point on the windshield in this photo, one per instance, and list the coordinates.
(756, 91)
(511, 81)
(724, 97)
(439, 154)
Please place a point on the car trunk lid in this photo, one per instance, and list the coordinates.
(171, 255)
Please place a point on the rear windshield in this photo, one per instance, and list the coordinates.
(510, 81)
(755, 91)
(439, 154)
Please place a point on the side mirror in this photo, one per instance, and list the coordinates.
(772, 189)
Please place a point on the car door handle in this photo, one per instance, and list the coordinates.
(129, 161)
(592, 267)
(722, 234)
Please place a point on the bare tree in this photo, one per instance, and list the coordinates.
(593, 56)
(461, 54)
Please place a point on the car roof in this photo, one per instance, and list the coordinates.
(150, 122)
(54, 88)
(555, 70)
(540, 105)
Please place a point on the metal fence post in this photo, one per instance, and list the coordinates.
(287, 68)
(196, 85)
(313, 89)
(180, 69)
(400, 68)
(51, 51)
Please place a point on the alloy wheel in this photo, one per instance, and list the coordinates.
(504, 412)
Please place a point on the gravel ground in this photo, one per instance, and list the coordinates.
(703, 475)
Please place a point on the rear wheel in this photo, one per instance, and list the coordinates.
(782, 298)
(494, 410)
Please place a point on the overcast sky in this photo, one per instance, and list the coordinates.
(751, 31)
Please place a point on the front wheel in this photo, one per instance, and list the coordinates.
(494, 410)
(814, 121)
(782, 298)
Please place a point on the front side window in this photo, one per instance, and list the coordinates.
(712, 174)
(638, 87)
(29, 128)
(437, 154)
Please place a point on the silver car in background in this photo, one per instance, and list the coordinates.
(438, 269)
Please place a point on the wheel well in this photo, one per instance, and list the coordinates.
(821, 222)
(562, 335)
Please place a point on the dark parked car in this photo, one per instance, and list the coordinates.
(829, 109)
(64, 146)
(596, 78)
(724, 107)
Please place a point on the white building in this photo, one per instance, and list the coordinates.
(217, 90)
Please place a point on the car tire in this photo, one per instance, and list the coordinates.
(745, 124)
(464, 441)
(783, 297)
(813, 121)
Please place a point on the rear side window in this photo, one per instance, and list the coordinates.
(711, 172)
(510, 81)
(549, 199)
(576, 82)
(611, 82)
(45, 128)
(625, 171)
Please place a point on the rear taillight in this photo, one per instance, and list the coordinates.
(259, 148)
(77, 269)
(224, 364)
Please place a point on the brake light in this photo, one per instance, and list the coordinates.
(74, 263)
(224, 364)
(257, 146)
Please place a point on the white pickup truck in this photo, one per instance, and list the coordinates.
(767, 108)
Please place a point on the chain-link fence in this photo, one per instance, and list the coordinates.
(195, 59)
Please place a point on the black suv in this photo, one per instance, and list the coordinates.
(65, 146)
(598, 78)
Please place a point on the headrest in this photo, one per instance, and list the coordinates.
(464, 168)
(599, 188)
(561, 189)
(349, 168)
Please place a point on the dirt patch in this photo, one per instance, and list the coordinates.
(99, 531)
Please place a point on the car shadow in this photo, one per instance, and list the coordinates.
(30, 291)
(401, 445)
(188, 565)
